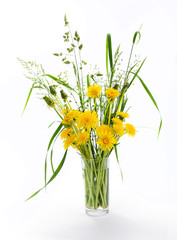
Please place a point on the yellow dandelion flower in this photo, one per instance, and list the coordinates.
(69, 141)
(82, 138)
(67, 121)
(87, 120)
(112, 93)
(103, 128)
(118, 129)
(117, 121)
(94, 91)
(65, 133)
(130, 129)
(73, 114)
(123, 115)
(64, 111)
(106, 140)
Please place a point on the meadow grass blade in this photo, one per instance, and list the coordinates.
(60, 82)
(29, 94)
(109, 55)
(153, 100)
(54, 135)
(58, 168)
(88, 81)
(52, 123)
(51, 161)
(135, 74)
(118, 161)
(53, 176)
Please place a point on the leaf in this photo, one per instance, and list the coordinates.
(74, 67)
(81, 46)
(67, 62)
(58, 168)
(118, 161)
(33, 194)
(54, 135)
(53, 176)
(88, 81)
(51, 155)
(29, 94)
(60, 82)
(153, 100)
(52, 123)
(45, 173)
(135, 74)
(135, 36)
(108, 53)
(84, 62)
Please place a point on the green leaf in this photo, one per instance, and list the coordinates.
(74, 67)
(52, 123)
(88, 80)
(29, 94)
(137, 34)
(81, 46)
(108, 54)
(153, 100)
(60, 82)
(53, 176)
(135, 74)
(34, 194)
(58, 168)
(45, 176)
(51, 161)
(67, 62)
(118, 161)
(54, 135)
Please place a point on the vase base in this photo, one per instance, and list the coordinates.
(97, 212)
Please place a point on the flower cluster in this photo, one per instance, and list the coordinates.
(80, 126)
(92, 112)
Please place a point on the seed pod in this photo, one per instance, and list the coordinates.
(53, 90)
(126, 85)
(116, 86)
(63, 95)
(49, 102)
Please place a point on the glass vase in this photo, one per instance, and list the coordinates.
(96, 179)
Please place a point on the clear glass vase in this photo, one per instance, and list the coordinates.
(96, 179)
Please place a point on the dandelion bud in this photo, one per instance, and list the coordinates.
(49, 102)
(53, 90)
(116, 86)
(126, 85)
(63, 95)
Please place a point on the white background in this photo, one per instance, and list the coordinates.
(144, 206)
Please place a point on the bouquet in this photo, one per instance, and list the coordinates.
(93, 114)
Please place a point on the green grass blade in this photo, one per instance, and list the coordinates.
(52, 123)
(148, 92)
(137, 34)
(88, 81)
(53, 176)
(108, 54)
(51, 161)
(34, 194)
(29, 94)
(135, 74)
(45, 170)
(153, 100)
(54, 135)
(118, 161)
(110, 50)
(60, 82)
(58, 168)
(160, 125)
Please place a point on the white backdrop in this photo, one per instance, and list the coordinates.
(144, 206)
